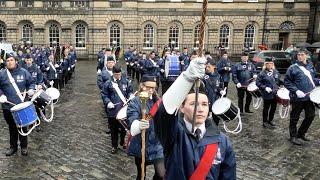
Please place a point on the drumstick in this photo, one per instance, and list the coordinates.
(10, 103)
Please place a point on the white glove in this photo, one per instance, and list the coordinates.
(51, 83)
(238, 85)
(99, 71)
(127, 63)
(110, 105)
(162, 70)
(269, 90)
(56, 65)
(30, 92)
(39, 86)
(144, 124)
(196, 69)
(222, 92)
(300, 94)
(156, 66)
(68, 69)
(3, 99)
(255, 76)
(226, 68)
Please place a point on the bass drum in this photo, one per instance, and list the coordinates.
(315, 96)
(283, 99)
(172, 66)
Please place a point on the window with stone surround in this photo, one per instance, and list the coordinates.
(148, 36)
(196, 36)
(224, 35)
(115, 35)
(3, 32)
(54, 34)
(25, 3)
(174, 32)
(249, 33)
(80, 36)
(27, 32)
(79, 3)
(52, 4)
(2, 3)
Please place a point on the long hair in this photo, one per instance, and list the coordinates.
(264, 66)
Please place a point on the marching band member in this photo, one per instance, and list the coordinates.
(115, 93)
(224, 68)
(101, 61)
(106, 71)
(213, 85)
(300, 80)
(154, 150)
(184, 59)
(268, 81)
(24, 81)
(52, 73)
(242, 73)
(186, 151)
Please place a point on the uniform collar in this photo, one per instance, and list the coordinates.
(202, 127)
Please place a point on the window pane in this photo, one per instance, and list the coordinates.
(148, 36)
(54, 35)
(249, 36)
(27, 32)
(224, 35)
(3, 32)
(196, 36)
(115, 35)
(174, 36)
(80, 35)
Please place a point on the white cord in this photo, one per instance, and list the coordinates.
(30, 130)
(257, 102)
(238, 129)
(284, 114)
(52, 112)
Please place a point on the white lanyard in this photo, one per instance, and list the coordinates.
(12, 81)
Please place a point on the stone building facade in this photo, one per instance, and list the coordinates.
(150, 24)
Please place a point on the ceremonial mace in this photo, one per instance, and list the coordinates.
(200, 50)
(143, 97)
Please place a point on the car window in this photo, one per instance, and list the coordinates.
(278, 54)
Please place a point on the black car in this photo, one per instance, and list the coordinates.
(282, 59)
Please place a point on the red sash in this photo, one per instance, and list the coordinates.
(205, 163)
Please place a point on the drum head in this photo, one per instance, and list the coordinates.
(221, 105)
(283, 93)
(36, 95)
(252, 87)
(315, 95)
(122, 114)
(53, 93)
(20, 106)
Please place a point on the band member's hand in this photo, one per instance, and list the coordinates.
(99, 71)
(3, 99)
(51, 83)
(56, 65)
(222, 92)
(39, 87)
(144, 124)
(227, 68)
(162, 70)
(269, 90)
(238, 85)
(196, 69)
(255, 76)
(110, 105)
(127, 63)
(30, 92)
(300, 94)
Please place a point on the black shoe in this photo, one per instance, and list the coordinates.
(267, 125)
(295, 141)
(248, 111)
(114, 150)
(24, 151)
(11, 151)
(304, 138)
(272, 123)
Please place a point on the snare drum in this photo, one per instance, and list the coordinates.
(172, 66)
(53, 93)
(315, 97)
(40, 99)
(254, 90)
(225, 109)
(24, 114)
(283, 97)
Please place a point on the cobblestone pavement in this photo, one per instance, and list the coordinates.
(75, 146)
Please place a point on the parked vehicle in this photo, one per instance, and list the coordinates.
(282, 60)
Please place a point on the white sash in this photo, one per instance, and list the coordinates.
(119, 92)
(13, 82)
(307, 73)
(55, 71)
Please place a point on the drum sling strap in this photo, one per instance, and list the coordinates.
(116, 87)
(205, 163)
(12, 81)
(307, 73)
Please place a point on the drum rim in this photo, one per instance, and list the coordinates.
(37, 94)
(23, 105)
(54, 91)
(124, 107)
(283, 90)
(252, 84)
(224, 98)
(312, 95)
